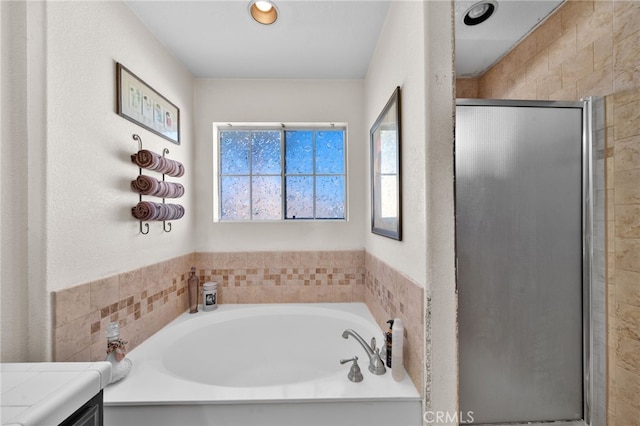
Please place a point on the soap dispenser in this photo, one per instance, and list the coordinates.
(116, 350)
(388, 338)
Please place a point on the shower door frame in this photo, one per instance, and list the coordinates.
(592, 178)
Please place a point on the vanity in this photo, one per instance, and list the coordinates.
(53, 393)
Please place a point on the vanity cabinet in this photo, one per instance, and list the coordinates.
(53, 393)
(90, 414)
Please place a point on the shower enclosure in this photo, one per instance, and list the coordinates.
(524, 231)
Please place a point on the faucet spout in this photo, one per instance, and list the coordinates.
(376, 366)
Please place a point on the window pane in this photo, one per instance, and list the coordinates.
(330, 197)
(234, 196)
(265, 151)
(234, 152)
(330, 152)
(299, 197)
(298, 151)
(267, 196)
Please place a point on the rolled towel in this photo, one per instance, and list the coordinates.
(172, 190)
(146, 159)
(152, 161)
(164, 166)
(180, 171)
(146, 210)
(146, 185)
(178, 211)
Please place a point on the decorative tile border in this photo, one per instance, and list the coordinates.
(285, 277)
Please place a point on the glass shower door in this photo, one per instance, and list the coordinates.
(520, 242)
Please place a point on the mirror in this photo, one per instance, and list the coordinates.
(385, 171)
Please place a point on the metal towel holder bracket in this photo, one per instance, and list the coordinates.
(166, 226)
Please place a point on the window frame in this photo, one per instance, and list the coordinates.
(314, 127)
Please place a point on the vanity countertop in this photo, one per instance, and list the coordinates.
(46, 393)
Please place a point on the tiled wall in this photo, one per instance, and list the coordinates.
(145, 300)
(285, 277)
(391, 294)
(141, 301)
(467, 88)
(586, 48)
(623, 253)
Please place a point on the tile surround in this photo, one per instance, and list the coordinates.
(586, 48)
(623, 269)
(141, 301)
(285, 277)
(391, 294)
(146, 299)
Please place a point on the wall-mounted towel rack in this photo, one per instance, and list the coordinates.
(145, 185)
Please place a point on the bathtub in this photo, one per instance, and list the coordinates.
(260, 365)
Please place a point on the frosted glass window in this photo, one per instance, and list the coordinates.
(267, 174)
(235, 200)
(299, 148)
(265, 153)
(330, 152)
(266, 198)
(300, 197)
(330, 197)
(234, 152)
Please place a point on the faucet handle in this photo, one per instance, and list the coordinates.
(344, 361)
(355, 375)
(373, 344)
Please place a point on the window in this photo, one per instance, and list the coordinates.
(283, 174)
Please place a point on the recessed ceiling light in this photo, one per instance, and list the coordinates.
(263, 11)
(264, 6)
(479, 12)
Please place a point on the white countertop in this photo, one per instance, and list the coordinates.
(46, 393)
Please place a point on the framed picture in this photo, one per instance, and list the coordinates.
(141, 104)
(386, 217)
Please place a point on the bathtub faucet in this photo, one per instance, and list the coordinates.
(376, 366)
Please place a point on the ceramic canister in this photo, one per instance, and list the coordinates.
(209, 296)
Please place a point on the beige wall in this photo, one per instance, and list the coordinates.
(13, 180)
(399, 61)
(415, 52)
(279, 101)
(590, 48)
(70, 217)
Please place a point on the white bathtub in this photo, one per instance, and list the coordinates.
(260, 365)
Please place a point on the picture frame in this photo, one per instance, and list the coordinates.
(386, 194)
(141, 104)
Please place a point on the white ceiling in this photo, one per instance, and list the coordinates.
(311, 39)
(324, 39)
